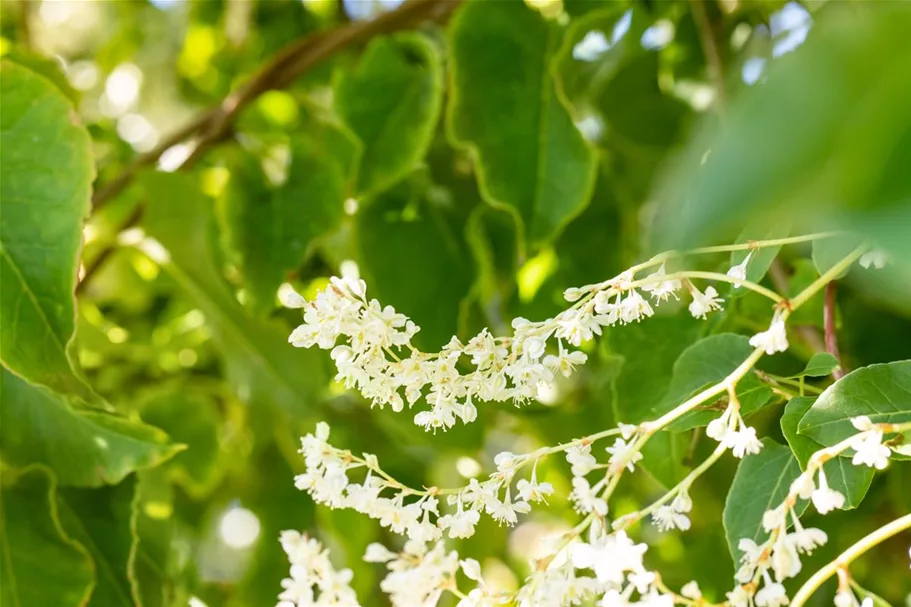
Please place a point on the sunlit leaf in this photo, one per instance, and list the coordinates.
(84, 447)
(45, 198)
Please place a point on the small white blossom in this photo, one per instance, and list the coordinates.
(772, 340)
(824, 498)
(609, 556)
(703, 303)
(875, 258)
(691, 590)
(870, 450)
(622, 454)
(739, 272)
(592, 46)
(662, 289)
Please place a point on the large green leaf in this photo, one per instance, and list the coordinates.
(46, 174)
(84, 447)
(39, 564)
(641, 381)
(263, 368)
(881, 392)
(402, 236)
(391, 100)
(271, 230)
(850, 480)
(761, 483)
(192, 418)
(101, 520)
(825, 139)
(707, 362)
(505, 108)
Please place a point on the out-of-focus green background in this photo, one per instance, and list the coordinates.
(470, 161)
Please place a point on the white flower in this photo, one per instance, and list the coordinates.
(870, 450)
(533, 491)
(663, 289)
(585, 497)
(472, 569)
(666, 518)
(609, 556)
(622, 454)
(876, 258)
(774, 339)
(691, 590)
(806, 540)
(581, 460)
(743, 442)
(803, 486)
(673, 516)
(772, 595)
(824, 498)
(565, 362)
(845, 598)
(592, 46)
(702, 304)
(739, 272)
(377, 553)
(862, 423)
(634, 307)
(739, 597)
(505, 461)
(460, 524)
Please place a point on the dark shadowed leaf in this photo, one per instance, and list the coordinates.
(392, 102)
(263, 368)
(761, 483)
(530, 157)
(39, 563)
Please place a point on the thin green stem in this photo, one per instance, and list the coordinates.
(827, 277)
(633, 518)
(711, 276)
(849, 556)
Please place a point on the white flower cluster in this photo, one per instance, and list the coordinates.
(618, 577)
(418, 575)
(780, 553)
(311, 569)
(376, 355)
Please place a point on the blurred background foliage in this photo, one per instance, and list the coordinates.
(470, 161)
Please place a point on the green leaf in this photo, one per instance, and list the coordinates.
(156, 569)
(707, 362)
(881, 392)
(829, 251)
(641, 381)
(850, 480)
(401, 236)
(84, 447)
(530, 157)
(391, 100)
(39, 564)
(819, 365)
(637, 110)
(272, 230)
(261, 365)
(46, 175)
(100, 519)
(863, 593)
(193, 419)
(761, 483)
(824, 140)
